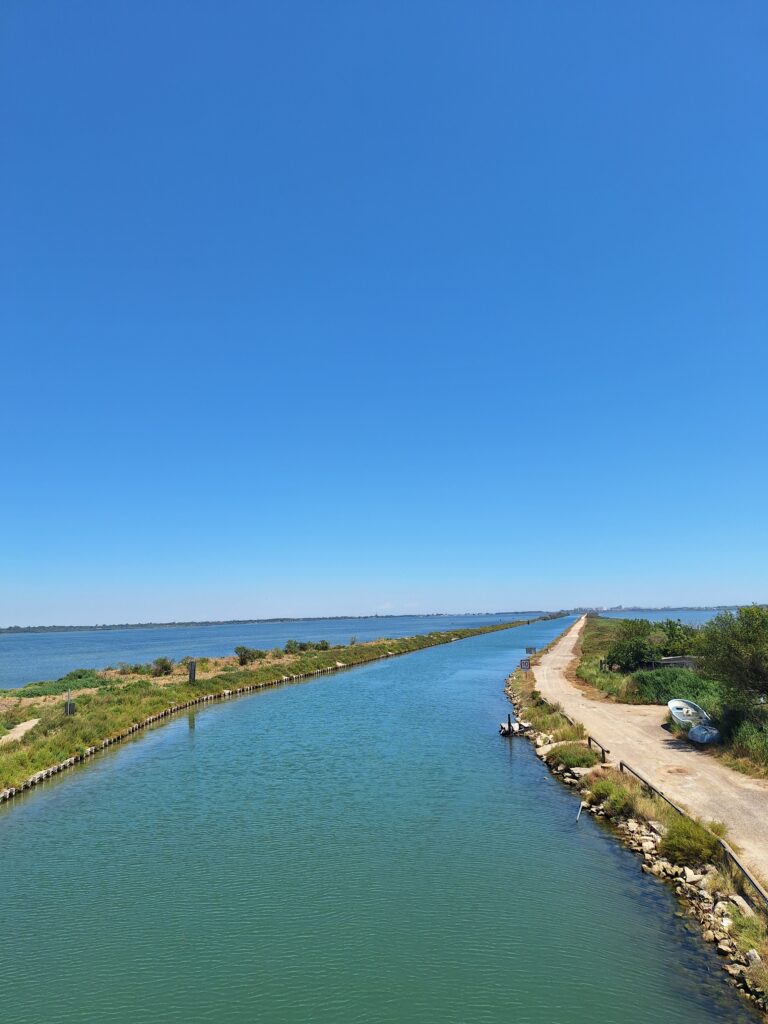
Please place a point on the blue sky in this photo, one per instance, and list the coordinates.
(358, 307)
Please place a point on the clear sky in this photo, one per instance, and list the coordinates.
(362, 307)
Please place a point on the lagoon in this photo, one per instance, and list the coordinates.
(359, 848)
(29, 657)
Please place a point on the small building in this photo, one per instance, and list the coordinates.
(678, 661)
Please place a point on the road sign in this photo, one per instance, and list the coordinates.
(525, 664)
(530, 650)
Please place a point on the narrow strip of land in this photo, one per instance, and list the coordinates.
(634, 733)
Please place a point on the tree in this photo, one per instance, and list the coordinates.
(630, 655)
(292, 647)
(635, 629)
(679, 638)
(734, 650)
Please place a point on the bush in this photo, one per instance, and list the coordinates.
(573, 755)
(79, 679)
(629, 655)
(137, 669)
(162, 667)
(292, 647)
(750, 739)
(688, 842)
(734, 649)
(247, 655)
(659, 685)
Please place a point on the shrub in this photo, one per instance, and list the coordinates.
(573, 755)
(629, 655)
(79, 679)
(137, 669)
(734, 649)
(162, 667)
(687, 842)
(292, 647)
(659, 685)
(750, 739)
(247, 655)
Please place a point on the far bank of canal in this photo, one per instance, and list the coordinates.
(359, 848)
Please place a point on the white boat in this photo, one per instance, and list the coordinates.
(695, 719)
(686, 713)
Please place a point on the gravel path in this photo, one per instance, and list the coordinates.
(18, 731)
(693, 779)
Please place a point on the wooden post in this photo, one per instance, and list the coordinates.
(192, 670)
(509, 723)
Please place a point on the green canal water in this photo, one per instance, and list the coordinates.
(362, 848)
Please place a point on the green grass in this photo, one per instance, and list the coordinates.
(688, 842)
(114, 706)
(657, 686)
(573, 755)
(79, 679)
(647, 686)
(750, 740)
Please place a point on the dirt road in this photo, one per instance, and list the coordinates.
(693, 779)
(18, 731)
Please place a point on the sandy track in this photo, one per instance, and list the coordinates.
(634, 733)
(18, 731)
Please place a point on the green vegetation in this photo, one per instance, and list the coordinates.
(657, 686)
(548, 718)
(730, 683)
(295, 646)
(79, 679)
(109, 709)
(734, 649)
(247, 655)
(572, 755)
(688, 842)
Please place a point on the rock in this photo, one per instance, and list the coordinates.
(579, 773)
(691, 876)
(709, 935)
(733, 969)
(658, 828)
(724, 948)
(648, 846)
(726, 923)
(721, 908)
(632, 825)
(753, 958)
(741, 905)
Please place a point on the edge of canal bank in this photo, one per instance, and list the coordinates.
(224, 688)
(729, 913)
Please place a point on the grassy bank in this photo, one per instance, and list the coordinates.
(111, 702)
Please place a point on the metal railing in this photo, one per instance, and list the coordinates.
(730, 856)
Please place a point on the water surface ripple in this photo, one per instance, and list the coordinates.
(359, 848)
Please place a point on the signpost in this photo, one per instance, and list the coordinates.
(525, 664)
(530, 650)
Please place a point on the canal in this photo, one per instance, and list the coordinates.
(360, 848)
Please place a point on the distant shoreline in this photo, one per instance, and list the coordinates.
(253, 622)
(338, 618)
